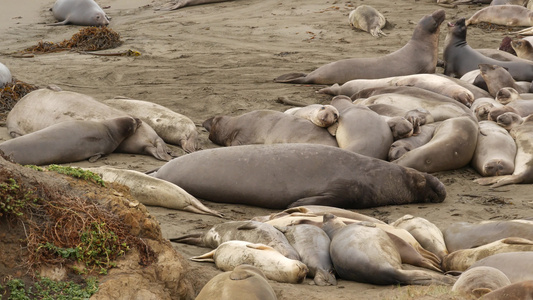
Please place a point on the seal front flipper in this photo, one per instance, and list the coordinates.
(292, 78)
(190, 239)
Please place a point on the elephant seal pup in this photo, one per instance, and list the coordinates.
(479, 281)
(461, 260)
(410, 59)
(495, 112)
(70, 141)
(361, 130)
(523, 48)
(183, 3)
(5, 75)
(250, 231)
(507, 95)
(509, 120)
(212, 175)
(507, 15)
(516, 291)
(244, 282)
(152, 191)
(402, 146)
(495, 150)
(312, 243)
(515, 265)
(79, 12)
(426, 233)
(400, 127)
(364, 253)
(452, 147)
(497, 77)
(274, 265)
(523, 170)
(464, 235)
(320, 115)
(460, 58)
(172, 127)
(44, 107)
(482, 106)
(368, 19)
(265, 127)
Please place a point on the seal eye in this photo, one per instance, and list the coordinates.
(322, 108)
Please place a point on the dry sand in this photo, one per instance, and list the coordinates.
(220, 59)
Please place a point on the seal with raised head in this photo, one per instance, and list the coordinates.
(523, 48)
(285, 175)
(507, 15)
(70, 141)
(479, 281)
(419, 55)
(320, 115)
(516, 266)
(5, 75)
(497, 77)
(495, 150)
(369, 19)
(243, 282)
(79, 12)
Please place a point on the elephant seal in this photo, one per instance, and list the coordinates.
(495, 112)
(265, 127)
(509, 120)
(461, 260)
(400, 127)
(318, 114)
(516, 291)
(523, 171)
(451, 147)
(364, 253)
(507, 15)
(183, 3)
(5, 75)
(70, 141)
(274, 265)
(402, 146)
(479, 281)
(507, 95)
(515, 265)
(250, 231)
(482, 106)
(172, 127)
(460, 58)
(152, 191)
(312, 243)
(509, 2)
(368, 19)
(495, 150)
(396, 118)
(523, 48)
(79, 12)
(419, 55)
(244, 282)
(212, 175)
(497, 77)
(44, 107)
(361, 130)
(464, 235)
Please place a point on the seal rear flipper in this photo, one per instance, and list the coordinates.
(95, 157)
(509, 179)
(205, 257)
(247, 226)
(324, 278)
(64, 22)
(317, 200)
(292, 78)
(517, 241)
(160, 150)
(190, 239)
(489, 180)
(424, 278)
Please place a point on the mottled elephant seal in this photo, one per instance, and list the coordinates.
(243, 282)
(368, 19)
(495, 150)
(479, 281)
(44, 107)
(70, 141)
(5, 75)
(419, 55)
(516, 266)
(284, 175)
(79, 12)
(320, 115)
(507, 15)
(523, 48)
(516, 291)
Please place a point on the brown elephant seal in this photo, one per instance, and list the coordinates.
(363, 252)
(523, 170)
(507, 15)
(482, 106)
(273, 264)
(464, 235)
(70, 141)
(507, 95)
(183, 3)
(211, 175)
(400, 127)
(250, 231)
(509, 120)
(410, 59)
(516, 291)
(402, 146)
(312, 243)
(5, 75)
(368, 19)
(523, 48)
(44, 107)
(172, 127)
(496, 111)
(265, 127)
(243, 282)
(318, 114)
(451, 147)
(516, 266)
(79, 12)
(460, 58)
(495, 150)
(479, 281)
(497, 77)
(361, 130)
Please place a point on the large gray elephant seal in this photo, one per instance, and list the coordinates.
(516, 291)
(318, 114)
(479, 281)
(44, 107)
(507, 15)
(5, 75)
(265, 127)
(516, 266)
(368, 19)
(419, 55)
(79, 12)
(284, 175)
(244, 282)
(70, 141)
(495, 150)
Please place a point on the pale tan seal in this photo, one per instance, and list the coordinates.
(516, 291)
(508, 15)
(369, 19)
(5, 75)
(497, 77)
(320, 115)
(516, 266)
(79, 12)
(244, 282)
(523, 48)
(495, 150)
(479, 281)
(184, 3)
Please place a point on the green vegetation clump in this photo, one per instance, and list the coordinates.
(47, 289)
(14, 200)
(77, 173)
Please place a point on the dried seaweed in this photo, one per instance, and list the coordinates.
(11, 93)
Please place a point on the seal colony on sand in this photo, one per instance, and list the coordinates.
(79, 12)
(419, 55)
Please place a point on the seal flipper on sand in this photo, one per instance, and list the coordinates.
(64, 22)
(160, 151)
(190, 239)
(292, 78)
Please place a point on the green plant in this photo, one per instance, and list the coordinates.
(14, 199)
(47, 289)
(34, 167)
(77, 173)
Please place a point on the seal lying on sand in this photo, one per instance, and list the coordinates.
(480, 280)
(183, 3)
(5, 75)
(288, 175)
(79, 12)
(419, 55)
(507, 15)
(495, 150)
(368, 19)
